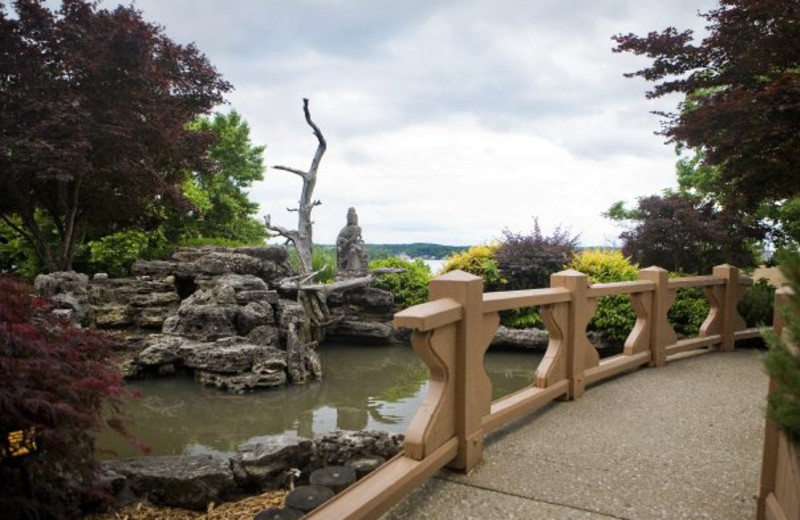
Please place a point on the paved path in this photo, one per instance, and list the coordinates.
(683, 441)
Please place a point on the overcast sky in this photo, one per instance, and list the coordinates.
(446, 121)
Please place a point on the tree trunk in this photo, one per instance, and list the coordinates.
(302, 238)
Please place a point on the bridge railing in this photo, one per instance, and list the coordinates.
(452, 332)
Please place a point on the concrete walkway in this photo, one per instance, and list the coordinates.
(683, 441)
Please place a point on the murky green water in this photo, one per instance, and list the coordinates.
(363, 388)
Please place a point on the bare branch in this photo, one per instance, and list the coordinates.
(282, 231)
(321, 146)
(316, 203)
(301, 173)
(292, 210)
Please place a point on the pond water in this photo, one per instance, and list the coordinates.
(363, 387)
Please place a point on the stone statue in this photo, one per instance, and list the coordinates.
(351, 254)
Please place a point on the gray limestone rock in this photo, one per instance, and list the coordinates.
(337, 448)
(262, 462)
(154, 268)
(263, 377)
(111, 316)
(253, 315)
(372, 331)
(161, 349)
(230, 355)
(521, 338)
(61, 282)
(221, 263)
(189, 482)
(265, 335)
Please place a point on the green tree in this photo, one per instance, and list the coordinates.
(742, 88)
(93, 111)
(685, 233)
(222, 207)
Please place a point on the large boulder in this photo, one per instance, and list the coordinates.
(189, 482)
(48, 285)
(232, 355)
(263, 376)
(520, 338)
(223, 263)
(362, 331)
(337, 448)
(262, 463)
(206, 315)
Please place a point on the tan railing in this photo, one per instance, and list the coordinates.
(453, 330)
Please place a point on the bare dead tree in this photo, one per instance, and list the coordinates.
(302, 238)
(313, 296)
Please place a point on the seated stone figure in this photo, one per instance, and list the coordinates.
(351, 254)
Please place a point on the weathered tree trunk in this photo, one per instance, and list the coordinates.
(302, 238)
(313, 297)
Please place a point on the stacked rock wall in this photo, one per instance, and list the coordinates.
(213, 311)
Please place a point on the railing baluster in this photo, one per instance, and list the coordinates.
(580, 353)
(661, 331)
(473, 387)
(553, 366)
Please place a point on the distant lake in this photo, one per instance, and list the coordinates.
(435, 265)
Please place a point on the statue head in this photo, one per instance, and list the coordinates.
(352, 217)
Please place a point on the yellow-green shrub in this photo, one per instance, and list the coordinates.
(478, 260)
(615, 315)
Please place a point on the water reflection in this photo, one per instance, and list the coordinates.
(363, 388)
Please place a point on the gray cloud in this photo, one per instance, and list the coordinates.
(425, 104)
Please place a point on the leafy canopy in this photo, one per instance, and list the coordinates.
(222, 207)
(684, 233)
(94, 105)
(742, 88)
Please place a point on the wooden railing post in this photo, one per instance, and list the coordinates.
(472, 386)
(580, 353)
(661, 331)
(769, 459)
(731, 321)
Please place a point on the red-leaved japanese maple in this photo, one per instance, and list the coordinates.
(58, 386)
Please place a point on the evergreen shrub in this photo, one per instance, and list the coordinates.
(783, 359)
(409, 287)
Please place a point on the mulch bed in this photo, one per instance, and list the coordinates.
(244, 509)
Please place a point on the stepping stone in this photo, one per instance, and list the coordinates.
(335, 477)
(279, 513)
(365, 465)
(306, 498)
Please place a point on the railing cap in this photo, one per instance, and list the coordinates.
(457, 276)
(570, 272)
(654, 268)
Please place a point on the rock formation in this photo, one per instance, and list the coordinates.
(192, 481)
(219, 313)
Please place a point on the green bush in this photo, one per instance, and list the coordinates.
(480, 261)
(757, 304)
(615, 316)
(323, 259)
(410, 287)
(689, 311)
(115, 254)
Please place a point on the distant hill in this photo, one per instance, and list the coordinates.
(416, 250)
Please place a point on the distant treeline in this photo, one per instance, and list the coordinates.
(416, 250)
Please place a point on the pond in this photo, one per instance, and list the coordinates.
(363, 387)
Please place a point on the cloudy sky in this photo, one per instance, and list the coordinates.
(446, 120)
